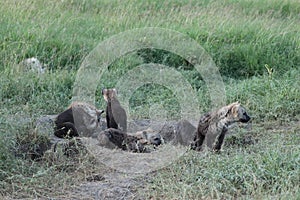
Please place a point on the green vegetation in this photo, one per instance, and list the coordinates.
(267, 170)
(245, 39)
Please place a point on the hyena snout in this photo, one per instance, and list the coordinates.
(245, 118)
(155, 139)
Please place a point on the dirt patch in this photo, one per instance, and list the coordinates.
(114, 186)
(134, 163)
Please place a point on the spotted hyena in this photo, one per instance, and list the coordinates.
(213, 126)
(79, 119)
(140, 142)
(115, 115)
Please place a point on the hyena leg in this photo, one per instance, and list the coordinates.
(198, 141)
(107, 120)
(217, 146)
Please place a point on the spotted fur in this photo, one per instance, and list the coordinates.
(213, 126)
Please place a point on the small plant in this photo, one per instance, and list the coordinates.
(269, 70)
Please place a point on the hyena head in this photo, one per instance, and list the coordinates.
(109, 94)
(112, 138)
(154, 138)
(149, 137)
(235, 112)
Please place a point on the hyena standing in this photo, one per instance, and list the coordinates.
(213, 126)
(115, 115)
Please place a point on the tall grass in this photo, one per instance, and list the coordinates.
(240, 39)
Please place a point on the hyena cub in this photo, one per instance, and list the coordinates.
(150, 136)
(80, 119)
(139, 142)
(115, 115)
(213, 126)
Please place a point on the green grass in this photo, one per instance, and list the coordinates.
(242, 37)
(267, 170)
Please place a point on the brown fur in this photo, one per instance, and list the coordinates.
(150, 136)
(137, 142)
(213, 126)
(85, 123)
(124, 141)
(176, 132)
(115, 115)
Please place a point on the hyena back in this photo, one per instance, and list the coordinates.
(79, 119)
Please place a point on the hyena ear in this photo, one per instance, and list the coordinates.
(115, 90)
(104, 94)
(228, 109)
(232, 106)
(113, 93)
(103, 91)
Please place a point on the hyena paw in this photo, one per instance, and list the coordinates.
(197, 148)
(216, 150)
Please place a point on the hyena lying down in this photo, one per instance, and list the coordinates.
(213, 126)
(85, 122)
(82, 119)
(138, 142)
